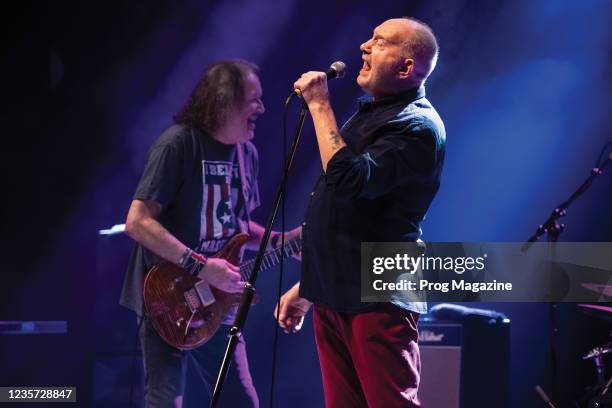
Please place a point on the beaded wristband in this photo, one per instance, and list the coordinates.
(185, 257)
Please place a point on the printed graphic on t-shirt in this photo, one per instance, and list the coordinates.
(221, 202)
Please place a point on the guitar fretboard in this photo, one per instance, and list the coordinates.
(271, 258)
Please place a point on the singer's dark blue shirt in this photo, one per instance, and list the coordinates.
(376, 189)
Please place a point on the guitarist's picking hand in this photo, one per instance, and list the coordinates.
(292, 310)
(222, 275)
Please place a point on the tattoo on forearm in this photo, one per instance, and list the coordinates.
(335, 139)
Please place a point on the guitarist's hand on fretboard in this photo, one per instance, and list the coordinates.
(222, 275)
(289, 235)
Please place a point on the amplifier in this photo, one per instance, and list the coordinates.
(464, 365)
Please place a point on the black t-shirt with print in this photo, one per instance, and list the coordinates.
(196, 179)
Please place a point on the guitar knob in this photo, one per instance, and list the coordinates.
(180, 321)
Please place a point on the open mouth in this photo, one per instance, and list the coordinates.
(366, 66)
(251, 122)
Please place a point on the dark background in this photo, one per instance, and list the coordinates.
(523, 87)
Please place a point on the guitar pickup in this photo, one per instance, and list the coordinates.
(204, 293)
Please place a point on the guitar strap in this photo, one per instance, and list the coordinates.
(243, 180)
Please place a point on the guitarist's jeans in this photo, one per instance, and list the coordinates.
(173, 376)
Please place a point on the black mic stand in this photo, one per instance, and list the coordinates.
(249, 290)
(553, 230)
(550, 226)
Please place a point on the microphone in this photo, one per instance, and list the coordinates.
(335, 70)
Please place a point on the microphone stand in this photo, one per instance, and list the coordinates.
(550, 226)
(553, 230)
(249, 290)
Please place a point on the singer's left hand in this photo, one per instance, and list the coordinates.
(312, 86)
(291, 310)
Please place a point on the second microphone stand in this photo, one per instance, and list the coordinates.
(553, 230)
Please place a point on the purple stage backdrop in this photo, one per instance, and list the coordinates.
(523, 87)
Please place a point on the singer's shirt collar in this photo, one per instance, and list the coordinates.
(367, 101)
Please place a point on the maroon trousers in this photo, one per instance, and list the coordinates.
(368, 359)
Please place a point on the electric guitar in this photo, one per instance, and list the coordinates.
(184, 310)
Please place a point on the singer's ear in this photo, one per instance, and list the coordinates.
(407, 68)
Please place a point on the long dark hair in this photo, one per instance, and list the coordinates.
(218, 92)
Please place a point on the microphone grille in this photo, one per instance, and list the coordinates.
(339, 67)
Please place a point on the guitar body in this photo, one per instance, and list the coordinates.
(175, 309)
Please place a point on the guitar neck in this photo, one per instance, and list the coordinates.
(273, 257)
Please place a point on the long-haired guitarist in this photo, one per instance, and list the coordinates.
(196, 191)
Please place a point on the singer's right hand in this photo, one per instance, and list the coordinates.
(312, 86)
(222, 275)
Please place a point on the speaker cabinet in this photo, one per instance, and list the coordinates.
(464, 365)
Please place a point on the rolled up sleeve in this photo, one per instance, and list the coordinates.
(403, 154)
